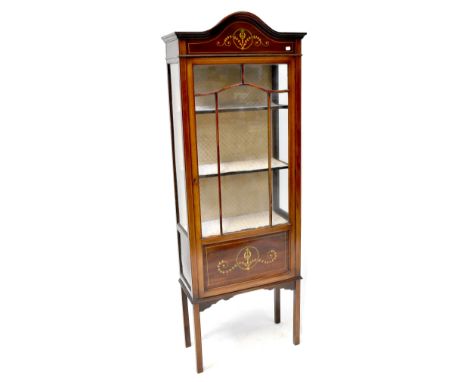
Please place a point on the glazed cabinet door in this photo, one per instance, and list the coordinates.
(242, 135)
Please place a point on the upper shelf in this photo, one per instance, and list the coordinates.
(239, 167)
(234, 108)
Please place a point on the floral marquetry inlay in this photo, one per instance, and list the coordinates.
(246, 259)
(243, 39)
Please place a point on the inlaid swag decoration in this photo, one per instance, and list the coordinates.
(246, 260)
(243, 39)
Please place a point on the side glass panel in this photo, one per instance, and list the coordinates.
(242, 143)
(178, 136)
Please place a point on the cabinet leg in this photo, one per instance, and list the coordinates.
(277, 305)
(297, 313)
(186, 320)
(198, 343)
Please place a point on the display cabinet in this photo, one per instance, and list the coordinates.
(235, 108)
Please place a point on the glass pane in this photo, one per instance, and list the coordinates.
(273, 77)
(259, 74)
(281, 193)
(209, 78)
(184, 248)
(279, 133)
(207, 171)
(232, 104)
(243, 135)
(178, 137)
(242, 97)
(206, 144)
(245, 201)
(209, 206)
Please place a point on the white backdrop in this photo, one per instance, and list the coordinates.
(88, 261)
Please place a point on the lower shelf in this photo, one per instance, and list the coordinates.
(241, 222)
(253, 165)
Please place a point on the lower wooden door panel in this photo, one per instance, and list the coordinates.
(245, 260)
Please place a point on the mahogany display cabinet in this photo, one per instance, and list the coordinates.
(235, 108)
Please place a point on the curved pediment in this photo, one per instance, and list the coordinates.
(240, 33)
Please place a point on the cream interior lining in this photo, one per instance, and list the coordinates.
(238, 223)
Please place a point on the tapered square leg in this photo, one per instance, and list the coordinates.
(297, 313)
(198, 343)
(277, 305)
(186, 320)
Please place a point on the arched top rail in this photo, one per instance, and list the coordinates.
(241, 33)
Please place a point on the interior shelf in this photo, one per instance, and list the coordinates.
(238, 167)
(241, 222)
(211, 109)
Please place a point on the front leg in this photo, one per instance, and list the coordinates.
(297, 313)
(198, 343)
(186, 319)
